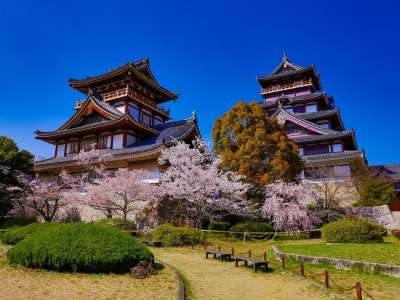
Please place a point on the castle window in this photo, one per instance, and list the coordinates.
(146, 118)
(337, 147)
(72, 148)
(324, 124)
(130, 139)
(134, 111)
(299, 109)
(311, 149)
(311, 108)
(60, 150)
(301, 152)
(118, 141)
(104, 142)
(289, 110)
(323, 148)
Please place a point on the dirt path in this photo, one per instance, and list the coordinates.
(212, 279)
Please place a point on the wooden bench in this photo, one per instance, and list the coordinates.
(256, 262)
(152, 243)
(219, 254)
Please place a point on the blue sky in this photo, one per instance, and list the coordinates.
(208, 51)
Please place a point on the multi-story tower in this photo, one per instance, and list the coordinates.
(122, 114)
(293, 95)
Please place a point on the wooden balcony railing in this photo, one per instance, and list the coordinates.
(127, 91)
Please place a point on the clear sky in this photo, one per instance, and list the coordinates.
(208, 51)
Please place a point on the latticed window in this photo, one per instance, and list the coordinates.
(134, 111)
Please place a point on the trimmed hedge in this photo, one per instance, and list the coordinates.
(17, 234)
(14, 222)
(170, 235)
(352, 230)
(221, 226)
(252, 227)
(80, 247)
(118, 222)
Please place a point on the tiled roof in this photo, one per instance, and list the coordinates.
(318, 114)
(321, 137)
(106, 106)
(332, 156)
(392, 171)
(295, 99)
(169, 131)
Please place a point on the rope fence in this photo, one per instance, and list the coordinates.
(327, 279)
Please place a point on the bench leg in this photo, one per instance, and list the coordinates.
(206, 255)
(255, 268)
(245, 263)
(236, 263)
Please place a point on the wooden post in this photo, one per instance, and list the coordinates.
(192, 245)
(219, 248)
(302, 269)
(283, 262)
(205, 245)
(358, 291)
(326, 279)
(265, 256)
(249, 253)
(233, 251)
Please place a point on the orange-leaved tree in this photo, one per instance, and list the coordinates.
(255, 146)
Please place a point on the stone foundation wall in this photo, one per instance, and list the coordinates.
(380, 214)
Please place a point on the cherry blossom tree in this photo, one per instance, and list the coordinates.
(42, 198)
(122, 193)
(194, 179)
(286, 204)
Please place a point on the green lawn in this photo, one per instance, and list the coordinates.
(385, 253)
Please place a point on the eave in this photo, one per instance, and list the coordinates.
(125, 121)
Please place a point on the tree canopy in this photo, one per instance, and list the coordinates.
(255, 146)
(13, 162)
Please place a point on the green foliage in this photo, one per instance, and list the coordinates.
(375, 192)
(118, 223)
(352, 230)
(255, 146)
(252, 227)
(221, 226)
(396, 233)
(17, 234)
(16, 221)
(80, 247)
(169, 235)
(12, 162)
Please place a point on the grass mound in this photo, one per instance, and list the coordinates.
(80, 247)
(17, 234)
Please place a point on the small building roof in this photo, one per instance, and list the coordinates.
(332, 158)
(286, 69)
(140, 69)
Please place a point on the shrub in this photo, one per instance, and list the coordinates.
(396, 233)
(169, 235)
(13, 222)
(17, 234)
(221, 226)
(352, 230)
(252, 227)
(80, 247)
(119, 223)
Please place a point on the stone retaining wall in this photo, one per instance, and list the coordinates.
(391, 270)
(380, 214)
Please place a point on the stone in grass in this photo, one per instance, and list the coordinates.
(142, 270)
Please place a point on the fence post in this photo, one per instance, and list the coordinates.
(219, 248)
(326, 277)
(358, 291)
(205, 245)
(283, 262)
(244, 238)
(233, 251)
(192, 245)
(302, 269)
(265, 256)
(249, 253)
